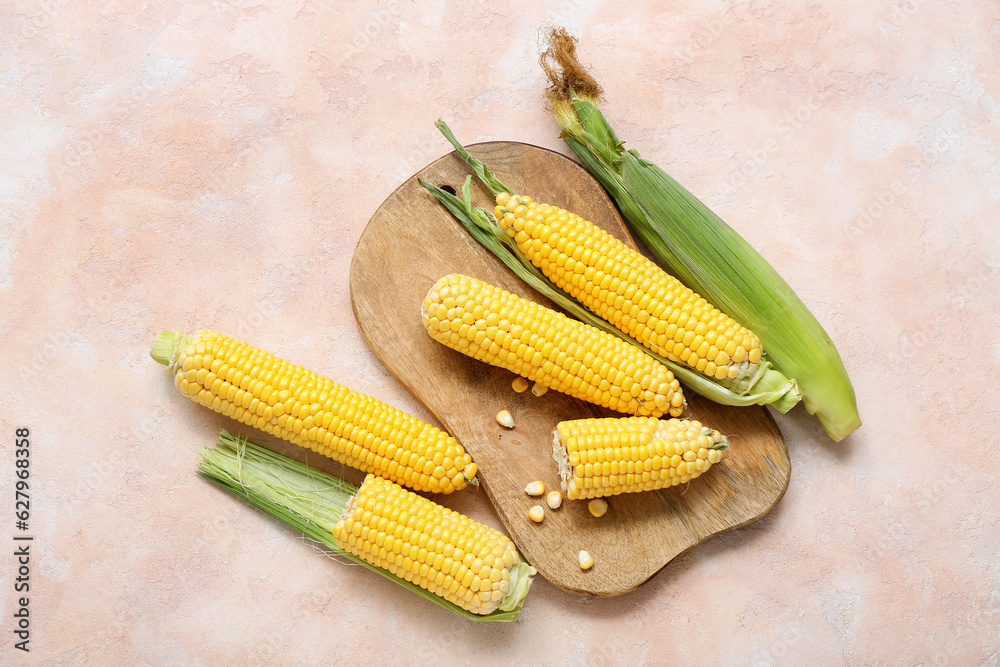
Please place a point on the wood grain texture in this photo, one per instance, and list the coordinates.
(410, 243)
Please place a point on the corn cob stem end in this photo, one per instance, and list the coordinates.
(167, 347)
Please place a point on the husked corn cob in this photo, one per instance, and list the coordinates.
(440, 554)
(295, 404)
(440, 550)
(488, 323)
(605, 457)
(622, 286)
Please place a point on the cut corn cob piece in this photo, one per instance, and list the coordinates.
(629, 291)
(261, 390)
(447, 553)
(696, 245)
(491, 324)
(605, 457)
(442, 555)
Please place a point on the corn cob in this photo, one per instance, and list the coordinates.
(261, 390)
(629, 291)
(444, 556)
(447, 553)
(491, 324)
(605, 457)
(697, 246)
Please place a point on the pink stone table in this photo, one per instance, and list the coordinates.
(182, 165)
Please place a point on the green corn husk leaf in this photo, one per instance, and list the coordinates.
(771, 387)
(311, 502)
(700, 249)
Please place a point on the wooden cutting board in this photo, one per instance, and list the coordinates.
(410, 242)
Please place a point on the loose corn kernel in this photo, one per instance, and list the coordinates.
(535, 488)
(594, 366)
(504, 418)
(554, 499)
(375, 517)
(631, 292)
(598, 507)
(586, 560)
(519, 384)
(605, 457)
(266, 392)
(538, 389)
(536, 513)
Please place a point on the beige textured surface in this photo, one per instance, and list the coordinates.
(181, 165)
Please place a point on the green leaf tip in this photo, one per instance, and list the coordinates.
(495, 185)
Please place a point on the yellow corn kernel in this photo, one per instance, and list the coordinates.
(283, 399)
(505, 419)
(378, 510)
(605, 457)
(597, 507)
(520, 385)
(628, 290)
(538, 389)
(554, 351)
(536, 513)
(554, 499)
(586, 560)
(535, 488)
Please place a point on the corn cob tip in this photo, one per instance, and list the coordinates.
(167, 346)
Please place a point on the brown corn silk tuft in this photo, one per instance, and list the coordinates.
(563, 68)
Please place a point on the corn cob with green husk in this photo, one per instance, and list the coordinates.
(697, 246)
(596, 278)
(444, 556)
